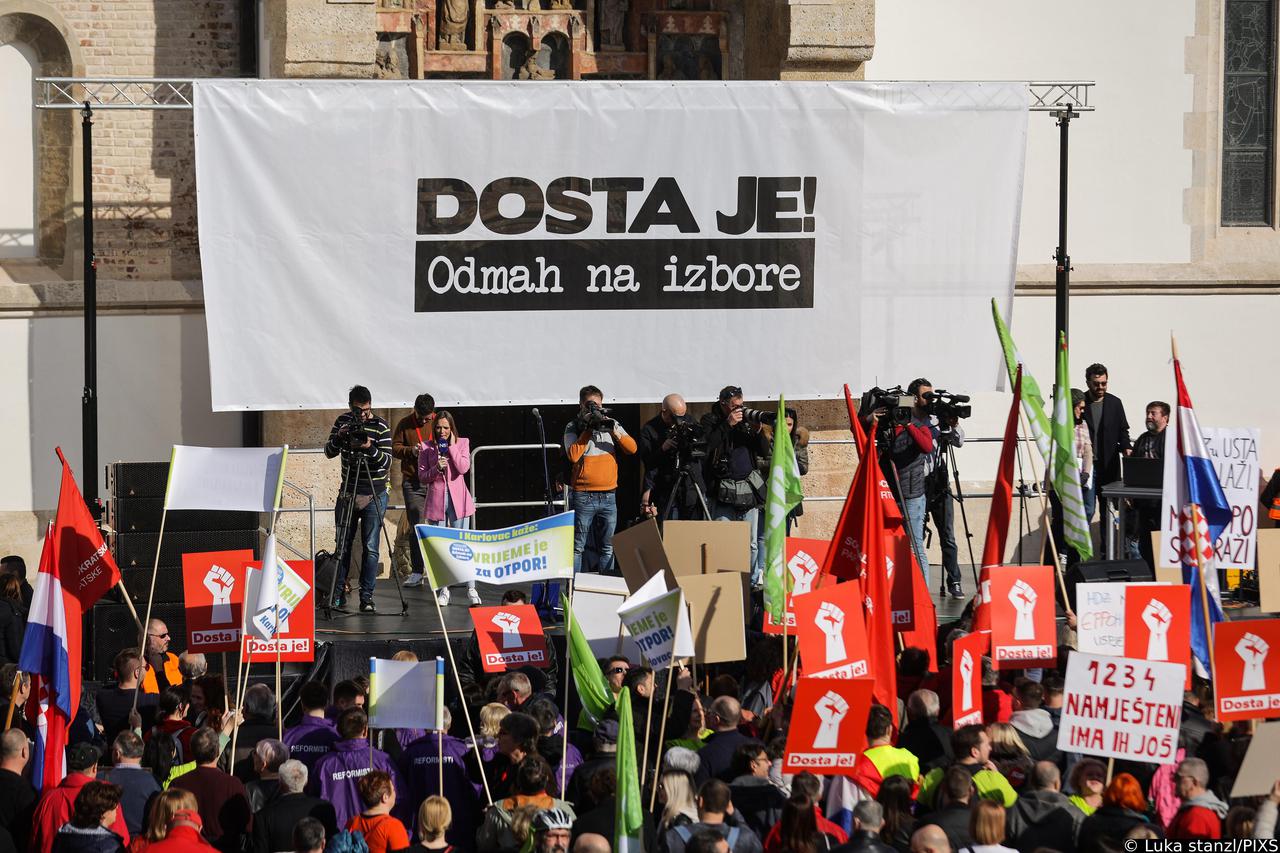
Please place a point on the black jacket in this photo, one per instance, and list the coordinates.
(661, 471)
(863, 841)
(929, 742)
(758, 801)
(1103, 830)
(1043, 819)
(17, 803)
(13, 624)
(471, 670)
(716, 755)
(954, 821)
(98, 839)
(1110, 439)
(273, 826)
(724, 443)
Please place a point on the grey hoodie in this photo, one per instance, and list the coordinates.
(1208, 800)
(1035, 722)
(1035, 809)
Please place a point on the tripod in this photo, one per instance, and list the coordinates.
(684, 479)
(344, 549)
(964, 516)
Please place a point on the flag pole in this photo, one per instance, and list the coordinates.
(13, 700)
(151, 593)
(1044, 520)
(568, 670)
(1199, 544)
(666, 702)
(462, 696)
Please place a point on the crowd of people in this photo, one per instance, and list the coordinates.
(514, 765)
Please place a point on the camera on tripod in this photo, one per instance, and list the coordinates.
(896, 402)
(354, 435)
(691, 442)
(595, 418)
(945, 405)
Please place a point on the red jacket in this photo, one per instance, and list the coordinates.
(54, 810)
(181, 839)
(773, 841)
(997, 706)
(1194, 822)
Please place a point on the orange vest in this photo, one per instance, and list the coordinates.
(171, 672)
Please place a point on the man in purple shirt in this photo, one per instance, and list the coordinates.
(420, 768)
(337, 772)
(314, 735)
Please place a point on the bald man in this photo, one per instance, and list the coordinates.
(930, 839)
(716, 756)
(665, 445)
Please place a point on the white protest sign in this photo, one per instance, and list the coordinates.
(292, 589)
(246, 479)
(402, 693)
(1118, 707)
(1100, 617)
(526, 553)
(659, 622)
(1235, 452)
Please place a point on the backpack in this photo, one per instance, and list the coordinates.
(686, 833)
(347, 841)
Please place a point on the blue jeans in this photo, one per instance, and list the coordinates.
(916, 509)
(757, 553)
(597, 510)
(724, 512)
(369, 520)
(451, 520)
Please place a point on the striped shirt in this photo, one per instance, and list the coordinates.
(377, 456)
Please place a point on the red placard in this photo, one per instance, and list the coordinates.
(1246, 673)
(828, 724)
(297, 637)
(966, 679)
(804, 559)
(831, 631)
(1157, 624)
(213, 590)
(1022, 627)
(901, 562)
(510, 636)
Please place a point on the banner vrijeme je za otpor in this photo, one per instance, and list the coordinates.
(829, 227)
(537, 551)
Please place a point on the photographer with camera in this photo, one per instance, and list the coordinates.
(671, 443)
(736, 489)
(363, 440)
(591, 441)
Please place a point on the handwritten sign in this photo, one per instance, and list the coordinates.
(1121, 708)
(1236, 460)
(1100, 617)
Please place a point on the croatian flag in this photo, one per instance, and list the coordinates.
(1203, 514)
(51, 654)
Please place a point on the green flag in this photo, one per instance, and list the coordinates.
(1032, 399)
(627, 835)
(1066, 467)
(1056, 439)
(785, 493)
(593, 690)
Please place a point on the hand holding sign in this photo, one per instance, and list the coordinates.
(220, 582)
(832, 708)
(1157, 617)
(1252, 650)
(510, 625)
(1023, 599)
(830, 620)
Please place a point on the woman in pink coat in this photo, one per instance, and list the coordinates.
(443, 465)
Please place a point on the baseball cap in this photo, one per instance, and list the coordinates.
(607, 731)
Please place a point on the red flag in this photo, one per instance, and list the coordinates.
(924, 630)
(855, 425)
(87, 568)
(1001, 509)
(866, 506)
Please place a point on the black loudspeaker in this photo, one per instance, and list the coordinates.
(137, 479)
(1102, 571)
(138, 550)
(142, 515)
(138, 582)
(113, 629)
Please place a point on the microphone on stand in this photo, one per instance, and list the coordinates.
(536, 414)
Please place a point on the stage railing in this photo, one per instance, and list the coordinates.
(563, 502)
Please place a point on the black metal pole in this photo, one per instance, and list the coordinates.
(1062, 260)
(89, 398)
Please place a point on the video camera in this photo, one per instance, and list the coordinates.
(944, 405)
(691, 441)
(595, 417)
(353, 434)
(898, 403)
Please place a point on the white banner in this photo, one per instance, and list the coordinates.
(540, 550)
(1119, 707)
(659, 622)
(225, 478)
(1235, 452)
(527, 225)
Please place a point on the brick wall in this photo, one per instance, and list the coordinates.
(144, 164)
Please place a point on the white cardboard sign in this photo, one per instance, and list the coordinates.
(1118, 707)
